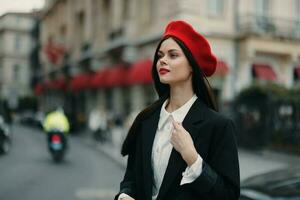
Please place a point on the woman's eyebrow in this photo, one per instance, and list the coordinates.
(173, 50)
(170, 50)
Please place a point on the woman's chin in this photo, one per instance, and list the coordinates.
(164, 80)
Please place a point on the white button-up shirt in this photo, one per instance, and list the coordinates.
(162, 147)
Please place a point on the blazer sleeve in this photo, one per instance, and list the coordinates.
(127, 185)
(220, 177)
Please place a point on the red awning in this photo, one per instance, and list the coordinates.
(80, 82)
(297, 72)
(38, 89)
(222, 68)
(58, 84)
(264, 72)
(140, 73)
(98, 79)
(115, 76)
(47, 84)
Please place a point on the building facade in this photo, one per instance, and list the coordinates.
(16, 45)
(256, 41)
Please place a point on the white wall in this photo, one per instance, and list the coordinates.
(16, 46)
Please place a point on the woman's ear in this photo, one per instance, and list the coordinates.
(191, 69)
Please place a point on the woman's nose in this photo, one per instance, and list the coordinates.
(162, 61)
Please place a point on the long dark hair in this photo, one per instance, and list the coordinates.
(201, 87)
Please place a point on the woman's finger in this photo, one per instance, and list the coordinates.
(176, 125)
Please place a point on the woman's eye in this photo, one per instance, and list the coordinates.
(173, 55)
(159, 56)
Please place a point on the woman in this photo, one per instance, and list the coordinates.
(180, 147)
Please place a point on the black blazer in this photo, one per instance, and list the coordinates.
(214, 139)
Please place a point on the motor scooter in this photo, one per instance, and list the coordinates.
(57, 144)
(5, 137)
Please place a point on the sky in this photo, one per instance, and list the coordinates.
(19, 5)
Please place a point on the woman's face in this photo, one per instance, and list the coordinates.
(172, 65)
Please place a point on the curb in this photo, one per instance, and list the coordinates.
(108, 150)
(112, 152)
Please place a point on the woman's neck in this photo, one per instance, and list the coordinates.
(178, 97)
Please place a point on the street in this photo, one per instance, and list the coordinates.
(28, 172)
(90, 171)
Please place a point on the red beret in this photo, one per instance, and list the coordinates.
(195, 42)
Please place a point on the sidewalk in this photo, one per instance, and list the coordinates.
(251, 162)
(108, 149)
(257, 162)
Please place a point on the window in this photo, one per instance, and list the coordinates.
(63, 32)
(18, 20)
(263, 21)
(16, 72)
(153, 10)
(126, 10)
(298, 11)
(1, 73)
(297, 73)
(17, 42)
(215, 7)
(298, 18)
(145, 7)
(2, 44)
(81, 23)
(107, 14)
(262, 8)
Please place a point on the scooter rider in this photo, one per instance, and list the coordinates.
(56, 121)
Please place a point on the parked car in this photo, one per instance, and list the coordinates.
(5, 137)
(281, 184)
(30, 118)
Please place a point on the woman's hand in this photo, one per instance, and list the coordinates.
(127, 198)
(183, 143)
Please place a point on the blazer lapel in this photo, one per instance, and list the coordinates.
(176, 164)
(149, 127)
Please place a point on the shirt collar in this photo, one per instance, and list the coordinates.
(178, 114)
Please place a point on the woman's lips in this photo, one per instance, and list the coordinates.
(163, 71)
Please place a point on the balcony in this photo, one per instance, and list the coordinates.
(272, 26)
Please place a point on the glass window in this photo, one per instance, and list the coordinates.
(1, 74)
(107, 14)
(16, 72)
(298, 11)
(215, 7)
(262, 7)
(126, 10)
(1, 46)
(297, 21)
(17, 42)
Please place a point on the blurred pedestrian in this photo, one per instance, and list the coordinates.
(98, 124)
(180, 147)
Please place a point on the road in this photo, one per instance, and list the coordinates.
(28, 173)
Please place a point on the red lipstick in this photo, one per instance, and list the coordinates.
(163, 71)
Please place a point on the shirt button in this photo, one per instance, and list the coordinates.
(169, 127)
